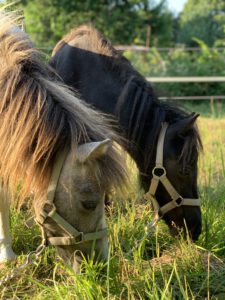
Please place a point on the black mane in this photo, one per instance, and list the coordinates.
(146, 112)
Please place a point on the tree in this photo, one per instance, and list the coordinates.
(204, 20)
(160, 22)
(122, 21)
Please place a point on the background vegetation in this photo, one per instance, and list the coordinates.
(127, 21)
(178, 62)
(122, 21)
(143, 22)
(204, 19)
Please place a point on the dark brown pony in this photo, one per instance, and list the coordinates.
(85, 60)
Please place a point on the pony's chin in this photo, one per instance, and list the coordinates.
(181, 232)
(174, 231)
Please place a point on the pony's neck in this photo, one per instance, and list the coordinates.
(140, 116)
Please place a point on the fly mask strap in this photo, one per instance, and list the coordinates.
(48, 210)
(159, 175)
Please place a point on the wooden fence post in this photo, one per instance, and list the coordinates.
(212, 106)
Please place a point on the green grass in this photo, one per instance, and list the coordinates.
(159, 268)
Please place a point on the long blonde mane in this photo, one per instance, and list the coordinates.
(39, 116)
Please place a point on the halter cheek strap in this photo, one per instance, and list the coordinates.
(48, 210)
(159, 175)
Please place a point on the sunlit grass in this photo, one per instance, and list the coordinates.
(158, 268)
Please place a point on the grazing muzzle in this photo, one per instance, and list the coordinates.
(48, 210)
(159, 175)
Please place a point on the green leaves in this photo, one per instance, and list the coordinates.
(202, 19)
(121, 21)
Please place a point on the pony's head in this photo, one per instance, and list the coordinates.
(39, 118)
(173, 187)
(75, 218)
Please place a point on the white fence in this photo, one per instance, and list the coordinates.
(190, 79)
(186, 79)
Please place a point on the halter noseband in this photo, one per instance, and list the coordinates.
(159, 175)
(48, 210)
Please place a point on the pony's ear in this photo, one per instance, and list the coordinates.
(183, 126)
(92, 150)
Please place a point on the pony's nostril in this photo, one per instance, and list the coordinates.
(90, 205)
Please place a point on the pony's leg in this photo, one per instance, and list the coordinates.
(6, 252)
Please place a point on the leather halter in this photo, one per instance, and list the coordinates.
(159, 175)
(48, 210)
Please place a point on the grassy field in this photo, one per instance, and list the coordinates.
(160, 268)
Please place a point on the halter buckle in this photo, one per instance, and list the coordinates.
(161, 172)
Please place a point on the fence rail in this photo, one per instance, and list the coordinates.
(144, 49)
(195, 98)
(189, 80)
(186, 79)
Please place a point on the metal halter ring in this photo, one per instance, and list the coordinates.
(180, 201)
(161, 169)
(80, 238)
(48, 209)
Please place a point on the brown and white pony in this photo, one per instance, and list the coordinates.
(39, 118)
